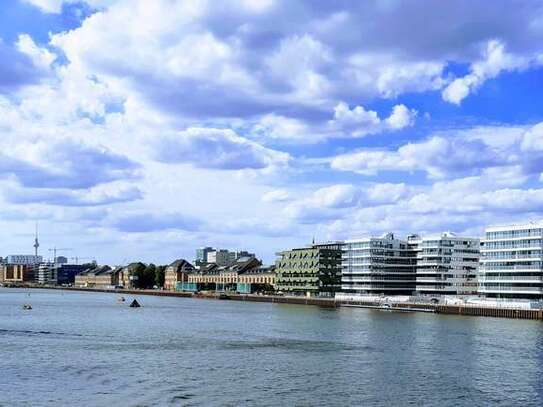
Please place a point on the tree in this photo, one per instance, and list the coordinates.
(138, 271)
(148, 276)
(160, 273)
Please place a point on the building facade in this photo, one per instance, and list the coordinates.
(127, 276)
(25, 259)
(177, 272)
(378, 265)
(46, 273)
(245, 275)
(446, 263)
(66, 273)
(511, 261)
(201, 255)
(310, 271)
(15, 273)
(219, 257)
(97, 277)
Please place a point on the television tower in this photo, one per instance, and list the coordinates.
(36, 243)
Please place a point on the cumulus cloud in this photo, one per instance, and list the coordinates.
(217, 149)
(360, 122)
(41, 57)
(67, 165)
(296, 63)
(273, 126)
(92, 122)
(191, 55)
(494, 61)
(337, 201)
(437, 156)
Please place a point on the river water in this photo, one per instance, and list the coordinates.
(77, 349)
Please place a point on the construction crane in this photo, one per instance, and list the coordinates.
(76, 258)
(55, 250)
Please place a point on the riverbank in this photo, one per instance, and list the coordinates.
(466, 310)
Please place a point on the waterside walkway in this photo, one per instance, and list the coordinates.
(467, 310)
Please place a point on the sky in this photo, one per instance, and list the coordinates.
(141, 130)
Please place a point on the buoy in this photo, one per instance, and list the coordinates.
(135, 304)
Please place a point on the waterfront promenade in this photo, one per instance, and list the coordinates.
(390, 305)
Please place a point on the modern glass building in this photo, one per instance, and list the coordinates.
(511, 261)
(378, 265)
(446, 263)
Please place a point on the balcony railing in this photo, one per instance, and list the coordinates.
(527, 279)
(514, 289)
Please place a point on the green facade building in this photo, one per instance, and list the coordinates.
(312, 271)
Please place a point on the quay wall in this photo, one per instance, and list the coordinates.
(466, 310)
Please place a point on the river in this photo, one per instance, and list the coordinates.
(77, 348)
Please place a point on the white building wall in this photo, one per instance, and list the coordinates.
(511, 261)
(383, 265)
(446, 264)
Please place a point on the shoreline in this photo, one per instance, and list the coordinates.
(477, 311)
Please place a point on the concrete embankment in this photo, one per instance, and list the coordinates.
(535, 314)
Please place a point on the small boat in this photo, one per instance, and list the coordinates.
(27, 306)
(121, 299)
(135, 304)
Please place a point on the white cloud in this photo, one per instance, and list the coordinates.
(494, 61)
(47, 6)
(55, 6)
(296, 62)
(41, 57)
(401, 117)
(390, 75)
(276, 195)
(281, 127)
(384, 193)
(437, 156)
(216, 90)
(359, 122)
(533, 139)
(217, 149)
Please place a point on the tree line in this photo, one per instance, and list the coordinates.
(148, 276)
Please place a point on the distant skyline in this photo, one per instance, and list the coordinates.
(142, 130)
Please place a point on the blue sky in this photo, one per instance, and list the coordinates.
(138, 130)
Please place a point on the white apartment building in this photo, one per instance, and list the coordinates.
(47, 273)
(511, 261)
(446, 263)
(378, 265)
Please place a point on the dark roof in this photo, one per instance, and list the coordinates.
(244, 264)
(239, 266)
(181, 264)
(96, 270)
(208, 268)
